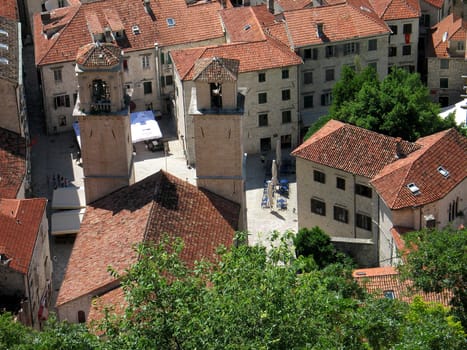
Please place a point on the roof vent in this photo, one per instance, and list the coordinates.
(413, 188)
(3, 46)
(361, 273)
(3, 32)
(135, 30)
(3, 60)
(246, 27)
(443, 171)
(170, 22)
(364, 8)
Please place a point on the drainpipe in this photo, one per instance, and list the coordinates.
(158, 75)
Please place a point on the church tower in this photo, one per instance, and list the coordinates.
(104, 121)
(217, 120)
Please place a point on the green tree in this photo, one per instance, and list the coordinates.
(437, 260)
(397, 106)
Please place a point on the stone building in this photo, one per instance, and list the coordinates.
(365, 189)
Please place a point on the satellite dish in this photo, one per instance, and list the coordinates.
(445, 36)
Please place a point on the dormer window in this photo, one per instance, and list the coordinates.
(135, 30)
(443, 171)
(170, 22)
(319, 30)
(413, 188)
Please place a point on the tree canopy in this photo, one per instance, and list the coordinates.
(397, 106)
(437, 260)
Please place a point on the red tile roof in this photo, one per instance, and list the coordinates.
(447, 149)
(9, 9)
(10, 70)
(12, 163)
(396, 9)
(193, 23)
(20, 220)
(253, 56)
(436, 3)
(161, 203)
(242, 24)
(288, 5)
(456, 29)
(99, 55)
(340, 22)
(352, 149)
(113, 300)
(381, 279)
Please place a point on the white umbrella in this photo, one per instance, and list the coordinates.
(274, 173)
(278, 152)
(270, 194)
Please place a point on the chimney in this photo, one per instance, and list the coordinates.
(399, 152)
(319, 29)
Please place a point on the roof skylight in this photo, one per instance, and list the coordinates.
(246, 27)
(443, 171)
(413, 188)
(389, 294)
(170, 22)
(135, 30)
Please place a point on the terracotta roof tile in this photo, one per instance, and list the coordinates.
(99, 55)
(456, 29)
(12, 163)
(396, 9)
(241, 24)
(253, 56)
(20, 220)
(436, 3)
(381, 279)
(340, 22)
(9, 69)
(288, 5)
(215, 69)
(447, 149)
(9, 9)
(113, 300)
(159, 204)
(352, 149)
(72, 26)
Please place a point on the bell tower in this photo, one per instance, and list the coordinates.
(218, 129)
(104, 121)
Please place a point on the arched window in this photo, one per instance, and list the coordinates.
(81, 316)
(100, 91)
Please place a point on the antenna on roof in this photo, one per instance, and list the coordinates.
(445, 36)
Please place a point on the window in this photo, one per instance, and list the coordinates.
(265, 144)
(61, 101)
(308, 78)
(262, 97)
(162, 58)
(330, 74)
(261, 77)
(331, 51)
(374, 65)
(326, 99)
(286, 141)
(340, 183)
(350, 48)
(168, 80)
(170, 22)
(147, 85)
(75, 97)
(310, 54)
(406, 50)
(318, 207)
(444, 101)
(286, 117)
(285, 95)
(363, 221)
(460, 46)
(363, 190)
(57, 75)
(341, 214)
(81, 316)
(263, 119)
(443, 83)
(389, 294)
(145, 61)
(61, 120)
(392, 51)
(425, 20)
(372, 45)
(444, 64)
(61, 3)
(407, 28)
(285, 74)
(319, 176)
(162, 81)
(308, 101)
(393, 30)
